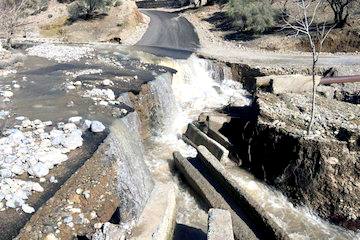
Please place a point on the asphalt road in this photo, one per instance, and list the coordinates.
(168, 34)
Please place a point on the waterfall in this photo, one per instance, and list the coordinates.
(165, 105)
(197, 86)
(134, 180)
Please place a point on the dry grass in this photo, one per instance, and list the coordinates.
(55, 28)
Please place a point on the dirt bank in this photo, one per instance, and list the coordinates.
(123, 24)
(321, 170)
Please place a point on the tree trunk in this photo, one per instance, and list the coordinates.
(313, 103)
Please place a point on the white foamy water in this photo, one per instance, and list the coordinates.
(193, 90)
(299, 222)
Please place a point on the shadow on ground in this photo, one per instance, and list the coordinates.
(184, 232)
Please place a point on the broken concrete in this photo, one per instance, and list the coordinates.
(211, 195)
(321, 170)
(195, 137)
(229, 184)
(157, 221)
(287, 83)
(220, 225)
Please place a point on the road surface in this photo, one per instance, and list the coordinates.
(168, 35)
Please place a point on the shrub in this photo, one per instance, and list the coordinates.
(87, 9)
(253, 15)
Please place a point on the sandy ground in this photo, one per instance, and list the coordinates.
(131, 36)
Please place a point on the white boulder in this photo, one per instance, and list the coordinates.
(97, 127)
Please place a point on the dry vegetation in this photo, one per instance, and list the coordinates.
(274, 38)
(58, 20)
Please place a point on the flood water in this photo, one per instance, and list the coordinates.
(195, 87)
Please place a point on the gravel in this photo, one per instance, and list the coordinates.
(33, 149)
(60, 53)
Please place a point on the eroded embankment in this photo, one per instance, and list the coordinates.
(320, 170)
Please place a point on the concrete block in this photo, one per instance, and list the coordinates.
(157, 221)
(211, 196)
(197, 138)
(231, 187)
(220, 225)
(287, 83)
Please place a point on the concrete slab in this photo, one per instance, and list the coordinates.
(226, 182)
(157, 221)
(212, 197)
(220, 225)
(196, 137)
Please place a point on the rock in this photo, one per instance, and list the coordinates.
(53, 157)
(26, 123)
(68, 219)
(20, 118)
(16, 86)
(39, 170)
(78, 83)
(87, 124)
(17, 169)
(79, 191)
(4, 114)
(97, 127)
(113, 231)
(27, 209)
(69, 127)
(103, 103)
(98, 225)
(75, 120)
(7, 94)
(51, 236)
(107, 82)
(37, 187)
(93, 215)
(53, 179)
(5, 173)
(70, 87)
(86, 194)
(73, 140)
(100, 94)
(48, 123)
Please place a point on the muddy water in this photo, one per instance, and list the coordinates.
(43, 92)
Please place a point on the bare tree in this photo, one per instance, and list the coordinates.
(305, 21)
(341, 9)
(11, 14)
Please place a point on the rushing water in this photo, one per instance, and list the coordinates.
(197, 88)
(180, 100)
